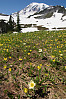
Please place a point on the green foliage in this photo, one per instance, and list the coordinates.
(10, 95)
(18, 24)
(10, 24)
(3, 26)
(47, 68)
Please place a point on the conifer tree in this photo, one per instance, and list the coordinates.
(11, 24)
(18, 25)
(3, 26)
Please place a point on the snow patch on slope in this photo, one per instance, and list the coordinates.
(4, 18)
(64, 18)
(24, 30)
(54, 21)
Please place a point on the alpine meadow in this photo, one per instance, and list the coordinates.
(33, 53)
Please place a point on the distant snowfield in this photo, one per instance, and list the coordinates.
(56, 21)
(53, 22)
(24, 30)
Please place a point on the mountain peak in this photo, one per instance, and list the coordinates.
(35, 3)
(33, 8)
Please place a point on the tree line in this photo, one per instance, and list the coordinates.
(10, 26)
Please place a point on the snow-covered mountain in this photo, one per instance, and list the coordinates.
(40, 15)
(31, 9)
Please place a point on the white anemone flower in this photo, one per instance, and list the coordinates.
(40, 50)
(31, 84)
(61, 54)
(24, 43)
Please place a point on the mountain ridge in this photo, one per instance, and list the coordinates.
(48, 12)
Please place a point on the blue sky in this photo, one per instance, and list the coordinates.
(11, 6)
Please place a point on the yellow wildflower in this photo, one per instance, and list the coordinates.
(53, 56)
(20, 58)
(28, 53)
(9, 56)
(5, 58)
(44, 49)
(9, 69)
(59, 51)
(40, 64)
(46, 74)
(5, 67)
(37, 44)
(65, 67)
(34, 46)
(48, 65)
(24, 50)
(61, 57)
(24, 57)
(25, 90)
(30, 50)
(30, 63)
(57, 46)
(1, 44)
(39, 67)
(53, 60)
(50, 47)
(4, 49)
(7, 50)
